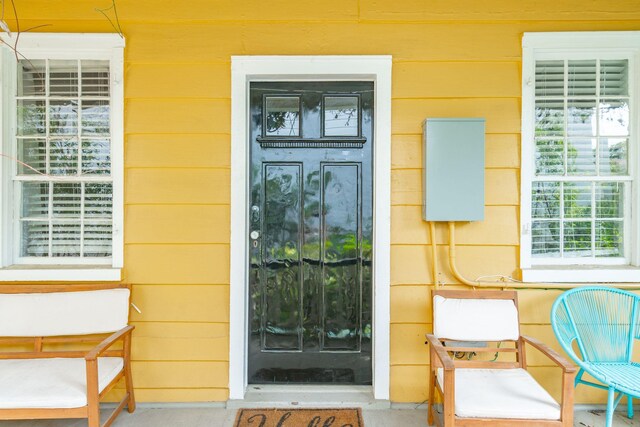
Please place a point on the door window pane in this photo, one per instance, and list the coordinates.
(341, 116)
(282, 116)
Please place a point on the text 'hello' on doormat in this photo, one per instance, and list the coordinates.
(299, 417)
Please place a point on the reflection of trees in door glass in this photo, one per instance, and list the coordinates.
(341, 116)
(282, 116)
(282, 293)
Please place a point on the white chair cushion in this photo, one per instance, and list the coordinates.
(475, 319)
(51, 383)
(63, 313)
(500, 393)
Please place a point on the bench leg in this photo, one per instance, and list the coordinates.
(629, 406)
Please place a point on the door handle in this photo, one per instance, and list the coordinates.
(255, 213)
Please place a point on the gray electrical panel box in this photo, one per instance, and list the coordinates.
(453, 170)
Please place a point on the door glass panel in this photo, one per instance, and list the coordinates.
(282, 117)
(341, 116)
(282, 290)
(341, 257)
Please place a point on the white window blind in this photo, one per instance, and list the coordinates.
(581, 184)
(63, 139)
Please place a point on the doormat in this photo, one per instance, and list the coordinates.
(299, 417)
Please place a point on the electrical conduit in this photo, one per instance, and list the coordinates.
(504, 285)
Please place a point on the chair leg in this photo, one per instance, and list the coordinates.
(578, 377)
(430, 402)
(629, 406)
(610, 406)
(131, 401)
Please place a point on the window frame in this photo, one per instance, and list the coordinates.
(580, 45)
(60, 46)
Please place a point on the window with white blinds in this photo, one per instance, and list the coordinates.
(581, 182)
(579, 152)
(64, 163)
(61, 174)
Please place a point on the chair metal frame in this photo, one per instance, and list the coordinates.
(441, 357)
(603, 322)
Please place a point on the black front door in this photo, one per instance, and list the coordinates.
(310, 232)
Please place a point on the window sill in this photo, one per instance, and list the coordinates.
(49, 273)
(581, 274)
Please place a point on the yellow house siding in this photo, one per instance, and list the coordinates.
(458, 58)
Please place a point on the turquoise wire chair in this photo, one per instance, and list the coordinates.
(604, 324)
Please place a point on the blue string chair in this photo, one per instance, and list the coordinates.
(603, 324)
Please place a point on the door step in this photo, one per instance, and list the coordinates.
(308, 396)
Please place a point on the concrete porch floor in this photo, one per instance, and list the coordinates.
(404, 416)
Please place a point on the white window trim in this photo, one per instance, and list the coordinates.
(245, 69)
(560, 45)
(63, 46)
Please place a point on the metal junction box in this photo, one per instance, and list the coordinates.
(453, 169)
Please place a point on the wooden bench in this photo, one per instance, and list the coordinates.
(63, 373)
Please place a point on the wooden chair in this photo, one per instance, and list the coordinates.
(496, 393)
(71, 363)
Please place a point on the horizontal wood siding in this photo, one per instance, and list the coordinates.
(450, 59)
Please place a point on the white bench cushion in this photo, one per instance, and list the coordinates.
(51, 383)
(63, 313)
(475, 319)
(501, 393)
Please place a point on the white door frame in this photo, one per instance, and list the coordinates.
(245, 69)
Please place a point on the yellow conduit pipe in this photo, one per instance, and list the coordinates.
(509, 285)
(452, 258)
(434, 254)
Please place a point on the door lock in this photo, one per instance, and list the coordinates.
(254, 238)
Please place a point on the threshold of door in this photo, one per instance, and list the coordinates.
(308, 396)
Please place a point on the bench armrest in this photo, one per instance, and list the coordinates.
(440, 352)
(551, 354)
(108, 342)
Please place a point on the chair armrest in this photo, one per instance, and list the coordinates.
(441, 352)
(551, 354)
(108, 342)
